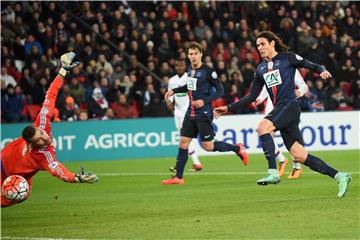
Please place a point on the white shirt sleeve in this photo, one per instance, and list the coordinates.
(264, 94)
(170, 87)
(300, 83)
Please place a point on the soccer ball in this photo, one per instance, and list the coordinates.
(15, 188)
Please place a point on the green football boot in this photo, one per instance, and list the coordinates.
(271, 178)
(343, 179)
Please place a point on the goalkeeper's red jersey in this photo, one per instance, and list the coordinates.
(18, 158)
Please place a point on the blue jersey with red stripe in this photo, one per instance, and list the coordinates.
(278, 76)
(200, 86)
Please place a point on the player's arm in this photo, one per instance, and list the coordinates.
(262, 96)
(300, 83)
(219, 89)
(55, 168)
(171, 92)
(43, 118)
(299, 62)
(255, 88)
(170, 101)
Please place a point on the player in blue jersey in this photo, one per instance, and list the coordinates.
(202, 80)
(277, 71)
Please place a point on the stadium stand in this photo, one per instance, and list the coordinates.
(129, 47)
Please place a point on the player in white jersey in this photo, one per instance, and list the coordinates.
(302, 89)
(179, 103)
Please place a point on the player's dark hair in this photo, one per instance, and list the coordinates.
(28, 133)
(195, 45)
(180, 60)
(280, 46)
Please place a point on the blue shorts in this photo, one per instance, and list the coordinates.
(286, 118)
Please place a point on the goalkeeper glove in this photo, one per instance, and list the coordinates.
(85, 177)
(67, 63)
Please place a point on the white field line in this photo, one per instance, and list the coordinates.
(193, 173)
(38, 238)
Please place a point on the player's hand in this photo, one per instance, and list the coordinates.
(85, 177)
(67, 61)
(199, 103)
(220, 111)
(325, 75)
(298, 93)
(168, 94)
(258, 101)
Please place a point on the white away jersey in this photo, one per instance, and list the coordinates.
(180, 100)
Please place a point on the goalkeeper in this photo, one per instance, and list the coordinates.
(34, 151)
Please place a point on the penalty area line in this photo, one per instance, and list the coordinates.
(38, 238)
(129, 174)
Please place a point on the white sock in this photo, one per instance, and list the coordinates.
(278, 154)
(193, 154)
(296, 165)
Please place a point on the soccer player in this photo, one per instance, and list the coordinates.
(178, 103)
(277, 71)
(34, 151)
(302, 88)
(199, 116)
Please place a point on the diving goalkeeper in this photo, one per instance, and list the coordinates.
(34, 151)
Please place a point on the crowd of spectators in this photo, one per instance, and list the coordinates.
(128, 50)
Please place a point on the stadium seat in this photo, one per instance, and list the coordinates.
(32, 111)
(218, 102)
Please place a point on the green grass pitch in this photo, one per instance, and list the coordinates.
(221, 202)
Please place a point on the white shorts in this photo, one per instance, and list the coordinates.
(179, 121)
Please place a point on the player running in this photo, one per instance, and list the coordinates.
(178, 103)
(34, 151)
(277, 71)
(302, 88)
(199, 116)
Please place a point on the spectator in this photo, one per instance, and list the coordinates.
(82, 115)
(68, 111)
(38, 95)
(122, 109)
(13, 104)
(8, 79)
(97, 104)
(109, 114)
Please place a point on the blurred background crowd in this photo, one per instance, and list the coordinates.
(128, 50)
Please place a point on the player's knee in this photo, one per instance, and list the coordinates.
(208, 146)
(184, 143)
(299, 157)
(261, 128)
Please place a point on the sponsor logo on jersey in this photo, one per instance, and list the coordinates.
(191, 85)
(53, 165)
(272, 78)
(181, 94)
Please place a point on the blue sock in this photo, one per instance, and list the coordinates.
(268, 146)
(225, 147)
(181, 160)
(319, 166)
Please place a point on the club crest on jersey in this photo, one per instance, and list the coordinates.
(191, 84)
(272, 78)
(214, 75)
